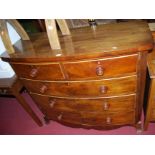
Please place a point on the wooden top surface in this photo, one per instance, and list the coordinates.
(106, 40)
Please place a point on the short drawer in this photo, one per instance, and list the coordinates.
(109, 87)
(38, 72)
(123, 103)
(94, 119)
(102, 68)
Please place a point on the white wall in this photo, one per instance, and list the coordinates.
(5, 69)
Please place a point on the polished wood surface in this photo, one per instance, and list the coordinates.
(141, 80)
(94, 81)
(52, 31)
(93, 119)
(102, 68)
(151, 64)
(112, 104)
(152, 117)
(109, 87)
(39, 71)
(106, 40)
(110, 67)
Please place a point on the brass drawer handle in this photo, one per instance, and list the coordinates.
(103, 89)
(106, 106)
(43, 89)
(59, 117)
(34, 72)
(108, 120)
(52, 103)
(99, 71)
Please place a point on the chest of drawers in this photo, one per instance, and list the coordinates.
(95, 81)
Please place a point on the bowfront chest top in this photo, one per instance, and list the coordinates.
(95, 81)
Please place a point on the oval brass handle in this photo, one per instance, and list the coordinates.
(33, 72)
(106, 106)
(52, 103)
(99, 71)
(43, 89)
(59, 117)
(103, 89)
(108, 120)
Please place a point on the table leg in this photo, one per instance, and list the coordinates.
(27, 108)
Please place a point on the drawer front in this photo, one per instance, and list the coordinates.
(123, 103)
(38, 72)
(113, 67)
(94, 119)
(119, 118)
(101, 88)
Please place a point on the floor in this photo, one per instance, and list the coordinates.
(14, 120)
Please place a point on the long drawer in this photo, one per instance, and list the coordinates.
(102, 68)
(39, 72)
(123, 103)
(95, 119)
(106, 87)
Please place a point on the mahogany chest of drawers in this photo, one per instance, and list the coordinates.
(95, 81)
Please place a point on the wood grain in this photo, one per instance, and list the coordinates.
(87, 89)
(39, 71)
(96, 80)
(93, 119)
(112, 67)
(112, 104)
(110, 40)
